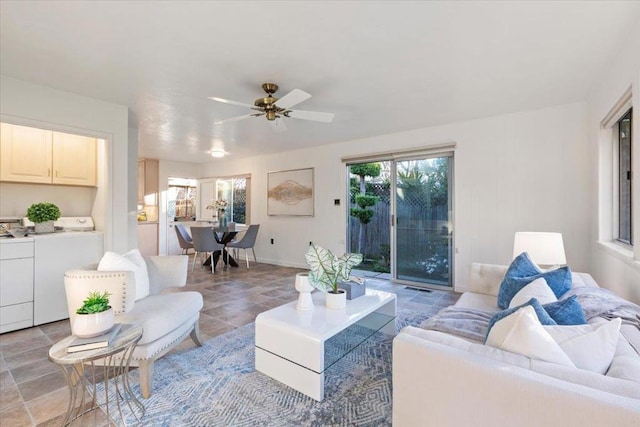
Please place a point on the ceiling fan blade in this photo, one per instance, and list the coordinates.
(311, 115)
(278, 125)
(294, 97)
(233, 119)
(228, 101)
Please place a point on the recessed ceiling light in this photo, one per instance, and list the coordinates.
(216, 152)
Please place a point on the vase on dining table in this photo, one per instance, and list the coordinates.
(222, 219)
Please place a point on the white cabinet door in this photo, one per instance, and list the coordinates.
(206, 195)
(54, 255)
(74, 159)
(16, 281)
(26, 154)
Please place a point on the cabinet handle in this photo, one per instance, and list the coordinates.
(56, 174)
(49, 172)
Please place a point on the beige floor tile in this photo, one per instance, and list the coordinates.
(10, 398)
(28, 356)
(44, 384)
(33, 370)
(16, 416)
(12, 338)
(27, 344)
(49, 405)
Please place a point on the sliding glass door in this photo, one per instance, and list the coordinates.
(422, 221)
(401, 216)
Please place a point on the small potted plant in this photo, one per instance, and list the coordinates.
(42, 215)
(327, 270)
(95, 317)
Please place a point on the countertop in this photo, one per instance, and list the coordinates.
(32, 237)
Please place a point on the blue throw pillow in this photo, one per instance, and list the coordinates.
(542, 314)
(566, 312)
(523, 271)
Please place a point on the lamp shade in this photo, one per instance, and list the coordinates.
(543, 248)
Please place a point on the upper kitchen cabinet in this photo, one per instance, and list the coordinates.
(25, 154)
(74, 159)
(148, 182)
(45, 157)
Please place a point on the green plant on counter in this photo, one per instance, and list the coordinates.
(96, 302)
(43, 212)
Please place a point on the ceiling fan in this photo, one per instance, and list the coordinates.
(276, 108)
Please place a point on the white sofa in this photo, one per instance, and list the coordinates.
(167, 314)
(443, 380)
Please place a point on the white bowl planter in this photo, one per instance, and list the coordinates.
(305, 303)
(44, 227)
(336, 301)
(92, 325)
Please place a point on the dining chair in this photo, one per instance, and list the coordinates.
(248, 241)
(184, 239)
(204, 242)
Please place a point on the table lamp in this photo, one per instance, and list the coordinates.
(545, 249)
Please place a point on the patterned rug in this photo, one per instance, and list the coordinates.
(217, 385)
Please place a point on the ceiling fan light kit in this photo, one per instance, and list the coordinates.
(275, 108)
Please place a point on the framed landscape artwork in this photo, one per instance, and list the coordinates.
(290, 192)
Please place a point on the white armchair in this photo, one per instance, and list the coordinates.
(167, 314)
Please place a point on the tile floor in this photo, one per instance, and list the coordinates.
(33, 390)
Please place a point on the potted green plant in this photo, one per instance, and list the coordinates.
(327, 270)
(95, 316)
(42, 215)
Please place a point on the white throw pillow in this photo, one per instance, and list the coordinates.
(131, 261)
(538, 289)
(522, 333)
(590, 347)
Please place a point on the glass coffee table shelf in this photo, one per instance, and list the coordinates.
(297, 347)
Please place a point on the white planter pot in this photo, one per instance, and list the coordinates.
(44, 227)
(336, 301)
(92, 325)
(305, 303)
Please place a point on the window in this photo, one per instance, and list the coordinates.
(236, 191)
(181, 195)
(625, 226)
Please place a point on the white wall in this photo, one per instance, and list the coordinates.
(612, 267)
(526, 171)
(15, 198)
(29, 104)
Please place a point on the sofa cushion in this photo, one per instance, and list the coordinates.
(538, 289)
(566, 311)
(161, 314)
(543, 317)
(131, 261)
(523, 271)
(590, 347)
(478, 302)
(521, 332)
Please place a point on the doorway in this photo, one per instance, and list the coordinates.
(401, 218)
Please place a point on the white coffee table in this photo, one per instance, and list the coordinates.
(290, 344)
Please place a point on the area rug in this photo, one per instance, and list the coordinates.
(217, 385)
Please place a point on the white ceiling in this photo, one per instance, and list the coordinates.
(381, 67)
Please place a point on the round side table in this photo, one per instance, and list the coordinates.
(114, 361)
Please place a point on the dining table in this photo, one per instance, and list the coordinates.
(223, 235)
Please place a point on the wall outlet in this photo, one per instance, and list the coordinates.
(336, 202)
(272, 241)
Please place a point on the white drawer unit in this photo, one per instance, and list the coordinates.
(16, 284)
